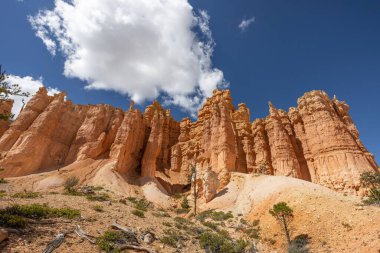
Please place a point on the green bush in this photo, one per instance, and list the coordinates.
(216, 216)
(182, 220)
(210, 224)
(138, 213)
(132, 199)
(98, 208)
(98, 197)
(98, 188)
(253, 233)
(17, 215)
(2, 193)
(71, 182)
(167, 224)
(13, 221)
(181, 211)
(142, 204)
(185, 203)
(26, 195)
(176, 195)
(221, 243)
(371, 180)
(172, 237)
(161, 214)
(109, 240)
(299, 244)
(3, 181)
(73, 192)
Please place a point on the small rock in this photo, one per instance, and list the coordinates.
(148, 238)
(3, 235)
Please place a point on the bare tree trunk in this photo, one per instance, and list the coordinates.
(55, 243)
(80, 232)
(286, 230)
(195, 190)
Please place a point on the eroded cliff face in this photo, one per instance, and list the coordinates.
(315, 141)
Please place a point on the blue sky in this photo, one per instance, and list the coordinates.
(290, 48)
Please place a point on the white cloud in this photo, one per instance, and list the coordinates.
(27, 84)
(142, 48)
(245, 23)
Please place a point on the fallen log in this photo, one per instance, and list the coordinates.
(55, 243)
(81, 233)
(128, 232)
(127, 246)
(122, 228)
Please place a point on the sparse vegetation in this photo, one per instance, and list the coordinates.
(71, 182)
(109, 240)
(347, 226)
(167, 224)
(214, 215)
(251, 230)
(210, 224)
(142, 204)
(98, 188)
(253, 233)
(98, 197)
(176, 195)
(3, 181)
(299, 244)
(17, 215)
(98, 208)
(70, 185)
(181, 210)
(26, 195)
(185, 203)
(161, 214)
(2, 193)
(270, 240)
(172, 237)
(371, 180)
(221, 243)
(283, 214)
(193, 178)
(132, 199)
(138, 213)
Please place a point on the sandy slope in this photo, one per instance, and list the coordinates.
(335, 223)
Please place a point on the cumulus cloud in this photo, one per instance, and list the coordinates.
(245, 23)
(27, 84)
(143, 48)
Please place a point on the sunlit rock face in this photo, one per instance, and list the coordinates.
(315, 141)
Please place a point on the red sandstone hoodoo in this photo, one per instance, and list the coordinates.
(316, 141)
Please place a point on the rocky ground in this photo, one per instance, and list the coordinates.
(324, 220)
(174, 232)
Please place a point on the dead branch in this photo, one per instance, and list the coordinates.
(129, 232)
(47, 222)
(122, 228)
(127, 246)
(55, 243)
(80, 232)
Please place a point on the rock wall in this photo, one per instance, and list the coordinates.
(315, 141)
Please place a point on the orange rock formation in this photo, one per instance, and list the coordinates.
(317, 141)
